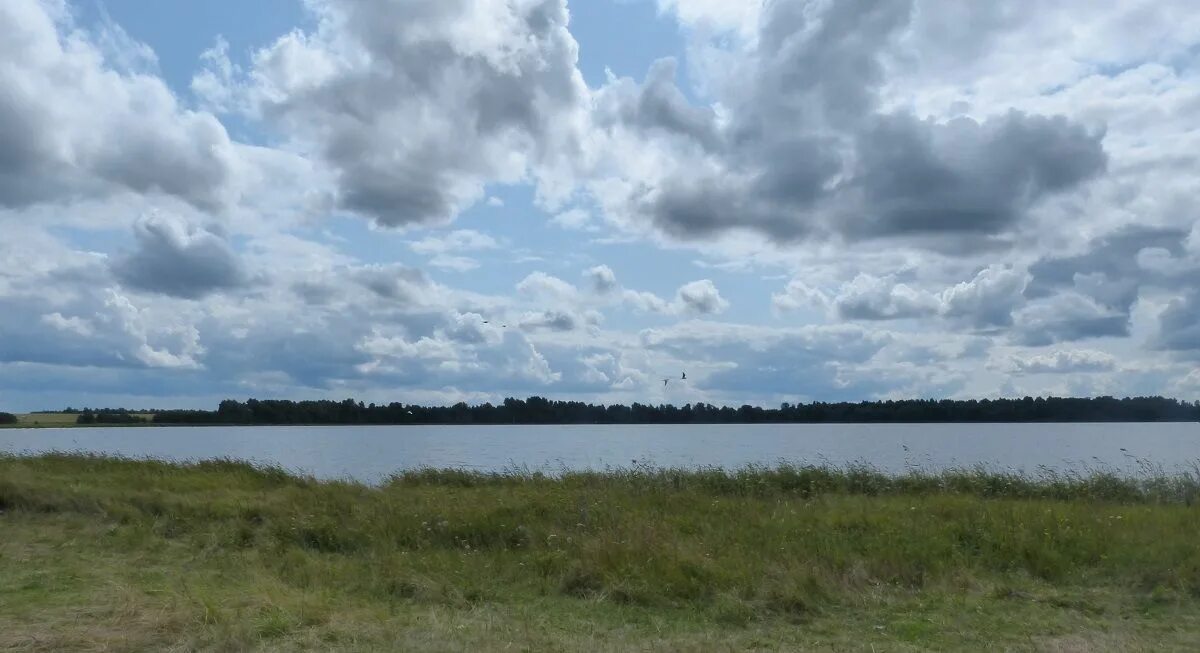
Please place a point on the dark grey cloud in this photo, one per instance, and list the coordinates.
(693, 206)
(658, 106)
(1108, 270)
(918, 177)
(174, 258)
(392, 282)
(1067, 318)
(552, 321)
(427, 101)
(1179, 324)
(819, 63)
(808, 150)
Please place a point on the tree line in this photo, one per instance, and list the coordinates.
(539, 410)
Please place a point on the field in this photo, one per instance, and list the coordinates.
(45, 419)
(119, 555)
(55, 420)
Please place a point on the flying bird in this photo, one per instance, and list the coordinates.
(684, 376)
(665, 382)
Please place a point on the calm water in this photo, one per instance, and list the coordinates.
(369, 453)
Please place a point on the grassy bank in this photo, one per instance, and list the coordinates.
(103, 554)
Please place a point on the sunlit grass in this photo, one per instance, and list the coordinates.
(141, 555)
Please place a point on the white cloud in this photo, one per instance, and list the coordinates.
(883, 298)
(700, 298)
(485, 93)
(461, 240)
(456, 263)
(572, 219)
(75, 121)
(987, 300)
(602, 278)
(540, 285)
(719, 15)
(1064, 361)
(798, 295)
(76, 325)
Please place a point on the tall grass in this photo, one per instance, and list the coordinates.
(733, 546)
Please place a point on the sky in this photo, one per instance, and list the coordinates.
(432, 201)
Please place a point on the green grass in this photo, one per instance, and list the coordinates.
(116, 555)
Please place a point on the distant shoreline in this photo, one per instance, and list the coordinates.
(539, 410)
(153, 425)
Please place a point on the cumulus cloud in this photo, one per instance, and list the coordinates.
(808, 362)
(1179, 324)
(919, 177)
(176, 258)
(984, 302)
(798, 295)
(75, 121)
(701, 298)
(1064, 362)
(923, 165)
(807, 147)
(988, 300)
(392, 282)
(572, 219)
(695, 298)
(484, 92)
(540, 285)
(551, 320)
(1068, 318)
(473, 329)
(882, 298)
(1112, 267)
(718, 15)
(602, 279)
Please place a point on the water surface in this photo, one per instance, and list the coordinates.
(370, 453)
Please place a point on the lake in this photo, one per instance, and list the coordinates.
(370, 453)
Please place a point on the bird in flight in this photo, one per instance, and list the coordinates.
(684, 376)
(665, 382)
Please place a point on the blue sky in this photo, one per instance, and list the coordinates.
(440, 201)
